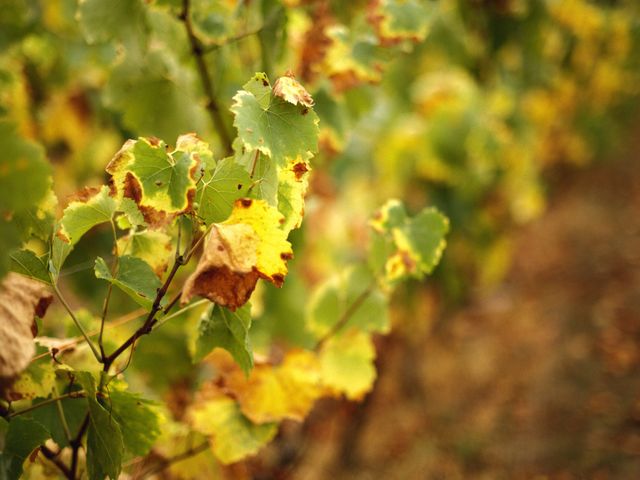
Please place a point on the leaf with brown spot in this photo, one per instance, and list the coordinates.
(247, 246)
(290, 90)
(21, 299)
(162, 183)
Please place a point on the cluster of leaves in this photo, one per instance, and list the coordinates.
(459, 104)
(239, 210)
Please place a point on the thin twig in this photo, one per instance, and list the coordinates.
(105, 306)
(205, 77)
(96, 353)
(79, 394)
(76, 444)
(346, 316)
(124, 319)
(53, 458)
(61, 415)
(164, 320)
(167, 462)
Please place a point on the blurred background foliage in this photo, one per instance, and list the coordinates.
(482, 108)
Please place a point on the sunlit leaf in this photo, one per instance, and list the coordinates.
(248, 245)
(29, 264)
(293, 181)
(346, 364)
(154, 247)
(91, 208)
(275, 392)
(162, 183)
(281, 130)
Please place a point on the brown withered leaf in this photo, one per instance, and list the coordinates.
(249, 245)
(21, 299)
(226, 274)
(290, 90)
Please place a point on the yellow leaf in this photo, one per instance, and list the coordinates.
(248, 245)
(290, 90)
(346, 364)
(233, 436)
(273, 393)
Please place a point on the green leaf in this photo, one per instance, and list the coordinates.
(154, 247)
(419, 241)
(28, 263)
(138, 420)
(220, 188)
(281, 130)
(25, 181)
(82, 215)
(105, 445)
(260, 88)
(134, 277)
(131, 213)
(123, 20)
(60, 250)
(24, 435)
(223, 328)
(337, 296)
(403, 19)
(74, 410)
(156, 96)
(234, 435)
(161, 183)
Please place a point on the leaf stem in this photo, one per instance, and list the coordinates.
(79, 394)
(180, 312)
(96, 353)
(346, 316)
(205, 77)
(63, 418)
(105, 307)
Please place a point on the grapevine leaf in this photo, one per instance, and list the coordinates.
(219, 189)
(29, 264)
(290, 90)
(161, 183)
(338, 295)
(25, 181)
(21, 299)
(155, 96)
(134, 277)
(74, 409)
(92, 208)
(223, 328)
(152, 246)
(124, 20)
(60, 250)
(346, 364)
(131, 215)
(419, 241)
(273, 393)
(260, 88)
(279, 131)
(292, 188)
(263, 173)
(105, 444)
(234, 436)
(23, 436)
(139, 422)
(36, 381)
(352, 58)
(248, 245)
(396, 20)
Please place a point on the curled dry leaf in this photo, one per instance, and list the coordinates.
(21, 299)
(290, 90)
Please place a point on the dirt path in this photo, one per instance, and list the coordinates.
(539, 380)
